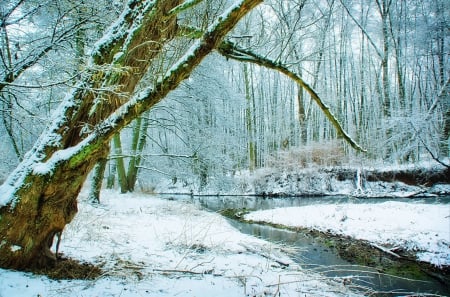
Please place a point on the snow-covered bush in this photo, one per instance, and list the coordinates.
(328, 153)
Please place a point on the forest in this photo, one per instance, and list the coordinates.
(380, 68)
(275, 98)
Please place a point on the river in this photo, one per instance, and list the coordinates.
(317, 255)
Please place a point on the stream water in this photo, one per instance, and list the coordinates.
(313, 254)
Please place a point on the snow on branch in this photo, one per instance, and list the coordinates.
(120, 33)
(38, 161)
(148, 97)
(425, 145)
(233, 51)
(184, 6)
(112, 157)
(140, 102)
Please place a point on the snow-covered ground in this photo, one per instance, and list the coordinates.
(422, 228)
(155, 247)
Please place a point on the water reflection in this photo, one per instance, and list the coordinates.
(217, 203)
(313, 254)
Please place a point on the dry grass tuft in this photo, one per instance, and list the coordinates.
(66, 268)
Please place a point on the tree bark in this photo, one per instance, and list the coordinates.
(138, 145)
(40, 197)
(251, 145)
(97, 180)
(111, 179)
(120, 164)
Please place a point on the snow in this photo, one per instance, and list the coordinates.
(15, 248)
(114, 32)
(32, 159)
(422, 228)
(183, 6)
(183, 62)
(6, 194)
(155, 247)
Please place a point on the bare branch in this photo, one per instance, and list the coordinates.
(63, 82)
(232, 51)
(8, 13)
(433, 156)
(379, 53)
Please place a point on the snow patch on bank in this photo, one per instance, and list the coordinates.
(418, 227)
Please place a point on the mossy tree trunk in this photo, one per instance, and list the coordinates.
(40, 197)
(138, 144)
(120, 163)
(127, 177)
(97, 180)
(111, 179)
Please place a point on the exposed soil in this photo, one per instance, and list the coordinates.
(362, 252)
(66, 268)
(412, 176)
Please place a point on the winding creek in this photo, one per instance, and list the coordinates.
(321, 254)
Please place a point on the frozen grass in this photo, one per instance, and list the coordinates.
(153, 247)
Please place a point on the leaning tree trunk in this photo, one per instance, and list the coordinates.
(40, 197)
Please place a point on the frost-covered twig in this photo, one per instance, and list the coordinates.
(112, 157)
(62, 82)
(186, 271)
(385, 250)
(433, 156)
(267, 255)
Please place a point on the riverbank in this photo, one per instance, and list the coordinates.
(425, 179)
(423, 229)
(394, 237)
(147, 246)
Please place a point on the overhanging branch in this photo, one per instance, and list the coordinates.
(233, 51)
(148, 97)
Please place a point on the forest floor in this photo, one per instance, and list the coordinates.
(147, 246)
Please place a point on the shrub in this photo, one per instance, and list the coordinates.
(321, 154)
